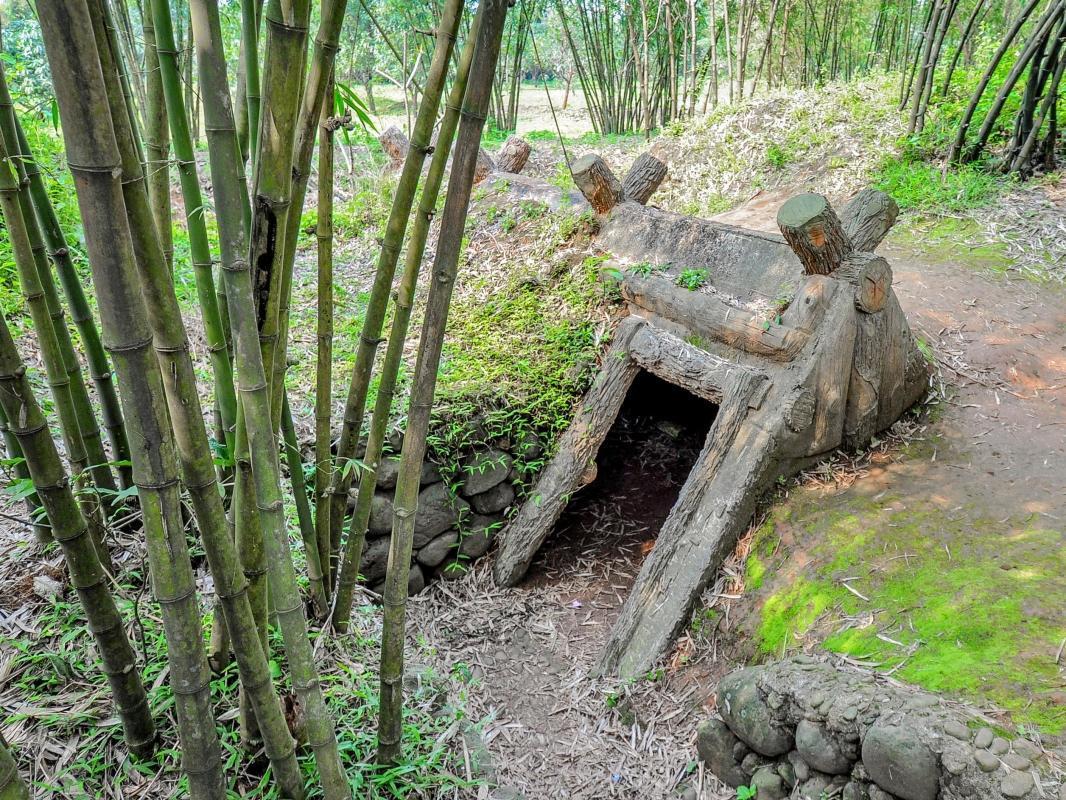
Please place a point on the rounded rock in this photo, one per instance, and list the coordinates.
(1017, 761)
(1017, 784)
(999, 746)
(1026, 748)
(957, 730)
(819, 749)
(986, 761)
(899, 762)
(768, 784)
(748, 717)
(715, 744)
(984, 738)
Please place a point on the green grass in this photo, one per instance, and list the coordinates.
(923, 186)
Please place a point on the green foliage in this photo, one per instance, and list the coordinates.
(692, 279)
(924, 186)
(746, 792)
(778, 157)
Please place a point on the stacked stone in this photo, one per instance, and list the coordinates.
(803, 729)
(452, 528)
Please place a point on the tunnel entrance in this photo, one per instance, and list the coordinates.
(610, 525)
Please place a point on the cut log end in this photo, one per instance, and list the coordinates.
(513, 155)
(813, 231)
(643, 178)
(597, 183)
(395, 144)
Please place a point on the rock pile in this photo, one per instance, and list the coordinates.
(452, 528)
(803, 729)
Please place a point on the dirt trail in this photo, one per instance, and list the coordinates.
(554, 731)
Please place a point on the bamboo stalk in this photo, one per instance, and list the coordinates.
(255, 401)
(12, 787)
(99, 467)
(318, 80)
(324, 332)
(80, 313)
(303, 508)
(42, 531)
(251, 11)
(194, 454)
(59, 380)
(195, 219)
(70, 530)
(370, 335)
(157, 138)
(401, 317)
(445, 264)
(94, 160)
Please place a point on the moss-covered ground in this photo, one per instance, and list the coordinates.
(953, 600)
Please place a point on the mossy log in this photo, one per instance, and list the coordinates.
(643, 178)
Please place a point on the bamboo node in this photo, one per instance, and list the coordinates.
(158, 487)
(130, 347)
(178, 598)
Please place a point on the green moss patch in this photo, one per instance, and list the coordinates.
(952, 602)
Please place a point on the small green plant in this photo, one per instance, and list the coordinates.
(746, 792)
(692, 279)
(777, 156)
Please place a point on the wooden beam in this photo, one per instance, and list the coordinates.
(577, 450)
(676, 361)
(707, 316)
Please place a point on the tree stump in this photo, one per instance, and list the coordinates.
(596, 181)
(395, 144)
(513, 155)
(484, 167)
(867, 218)
(813, 231)
(643, 178)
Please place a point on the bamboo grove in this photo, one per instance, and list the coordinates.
(150, 449)
(643, 64)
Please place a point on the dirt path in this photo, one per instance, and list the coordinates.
(997, 451)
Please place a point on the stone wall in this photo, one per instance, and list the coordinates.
(457, 519)
(803, 729)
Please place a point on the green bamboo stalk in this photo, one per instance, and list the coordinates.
(157, 139)
(401, 317)
(99, 468)
(445, 264)
(80, 313)
(193, 449)
(323, 58)
(59, 381)
(324, 330)
(282, 88)
(41, 530)
(370, 336)
(71, 531)
(303, 509)
(12, 787)
(251, 12)
(94, 160)
(255, 401)
(195, 220)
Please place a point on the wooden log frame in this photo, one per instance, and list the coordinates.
(636, 345)
(643, 178)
